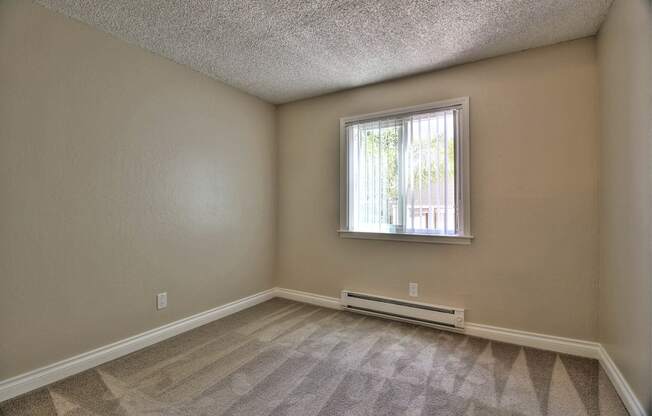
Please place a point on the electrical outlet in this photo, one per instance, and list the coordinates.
(414, 290)
(162, 300)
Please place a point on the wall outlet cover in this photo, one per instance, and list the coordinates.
(414, 290)
(162, 300)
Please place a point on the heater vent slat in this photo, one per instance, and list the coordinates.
(415, 312)
(401, 302)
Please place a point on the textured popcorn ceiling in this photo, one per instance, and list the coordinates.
(284, 50)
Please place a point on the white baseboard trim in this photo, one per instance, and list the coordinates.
(43, 376)
(311, 298)
(631, 402)
(553, 343)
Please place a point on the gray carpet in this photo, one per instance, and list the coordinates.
(287, 358)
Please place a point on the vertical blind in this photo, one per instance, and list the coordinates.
(402, 173)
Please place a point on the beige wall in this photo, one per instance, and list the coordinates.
(534, 138)
(625, 307)
(122, 175)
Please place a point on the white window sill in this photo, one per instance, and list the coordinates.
(415, 238)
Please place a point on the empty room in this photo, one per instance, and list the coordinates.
(326, 207)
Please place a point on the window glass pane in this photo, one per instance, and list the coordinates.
(430, 169)
(374, 151)
(402, 174)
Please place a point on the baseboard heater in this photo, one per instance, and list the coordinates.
(443, 317)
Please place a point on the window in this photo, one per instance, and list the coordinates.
(405, 174)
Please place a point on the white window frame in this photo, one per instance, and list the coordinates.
(462, 160)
